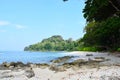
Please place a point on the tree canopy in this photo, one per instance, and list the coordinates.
(54, 43)
(105, 34)
(103, 24)
(103, 27)
(99, 10)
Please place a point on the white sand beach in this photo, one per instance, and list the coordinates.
(103, 73)
(108, 70)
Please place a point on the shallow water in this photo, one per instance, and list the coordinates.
(46, 57)
(26, 56)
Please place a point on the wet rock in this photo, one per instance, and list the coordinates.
(5, 64)
(76, 63)
(17, 64)
(44, 65)
(90, 63)
(80, 61)
(67, 65)
(62, 59)
(12, 64)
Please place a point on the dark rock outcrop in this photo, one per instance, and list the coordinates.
(62, 59)
(89, 54)
(29, 73)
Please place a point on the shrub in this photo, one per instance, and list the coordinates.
(93, 49)
(118, 49)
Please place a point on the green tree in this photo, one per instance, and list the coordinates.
(105, 34)
(54, 43)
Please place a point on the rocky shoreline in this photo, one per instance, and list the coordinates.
(60, 62)
(14, 70)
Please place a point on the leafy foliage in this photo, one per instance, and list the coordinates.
(118, 49)
(93, 49)
(105, 34)
(98, 10)
(103, 27)
(54, 43)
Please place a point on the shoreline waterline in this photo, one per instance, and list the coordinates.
(79, 69)
(45, 57)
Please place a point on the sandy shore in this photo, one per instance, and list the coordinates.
(109, 71)
(103, 73)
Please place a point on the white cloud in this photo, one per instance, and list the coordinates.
(19, 26)
(4, 23)
(9, 24)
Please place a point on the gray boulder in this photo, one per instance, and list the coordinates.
(29, 73)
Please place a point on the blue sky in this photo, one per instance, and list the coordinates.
(24, 22)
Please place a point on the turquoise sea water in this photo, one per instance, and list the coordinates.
(43, 57)
(33, 57)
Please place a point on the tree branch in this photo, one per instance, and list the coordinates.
(117, 9)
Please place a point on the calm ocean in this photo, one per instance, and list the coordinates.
(26, 56)
(42, 57)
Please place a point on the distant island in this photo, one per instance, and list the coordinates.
(54, 43)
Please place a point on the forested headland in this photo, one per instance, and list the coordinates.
(102, 30)
(54, 43)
